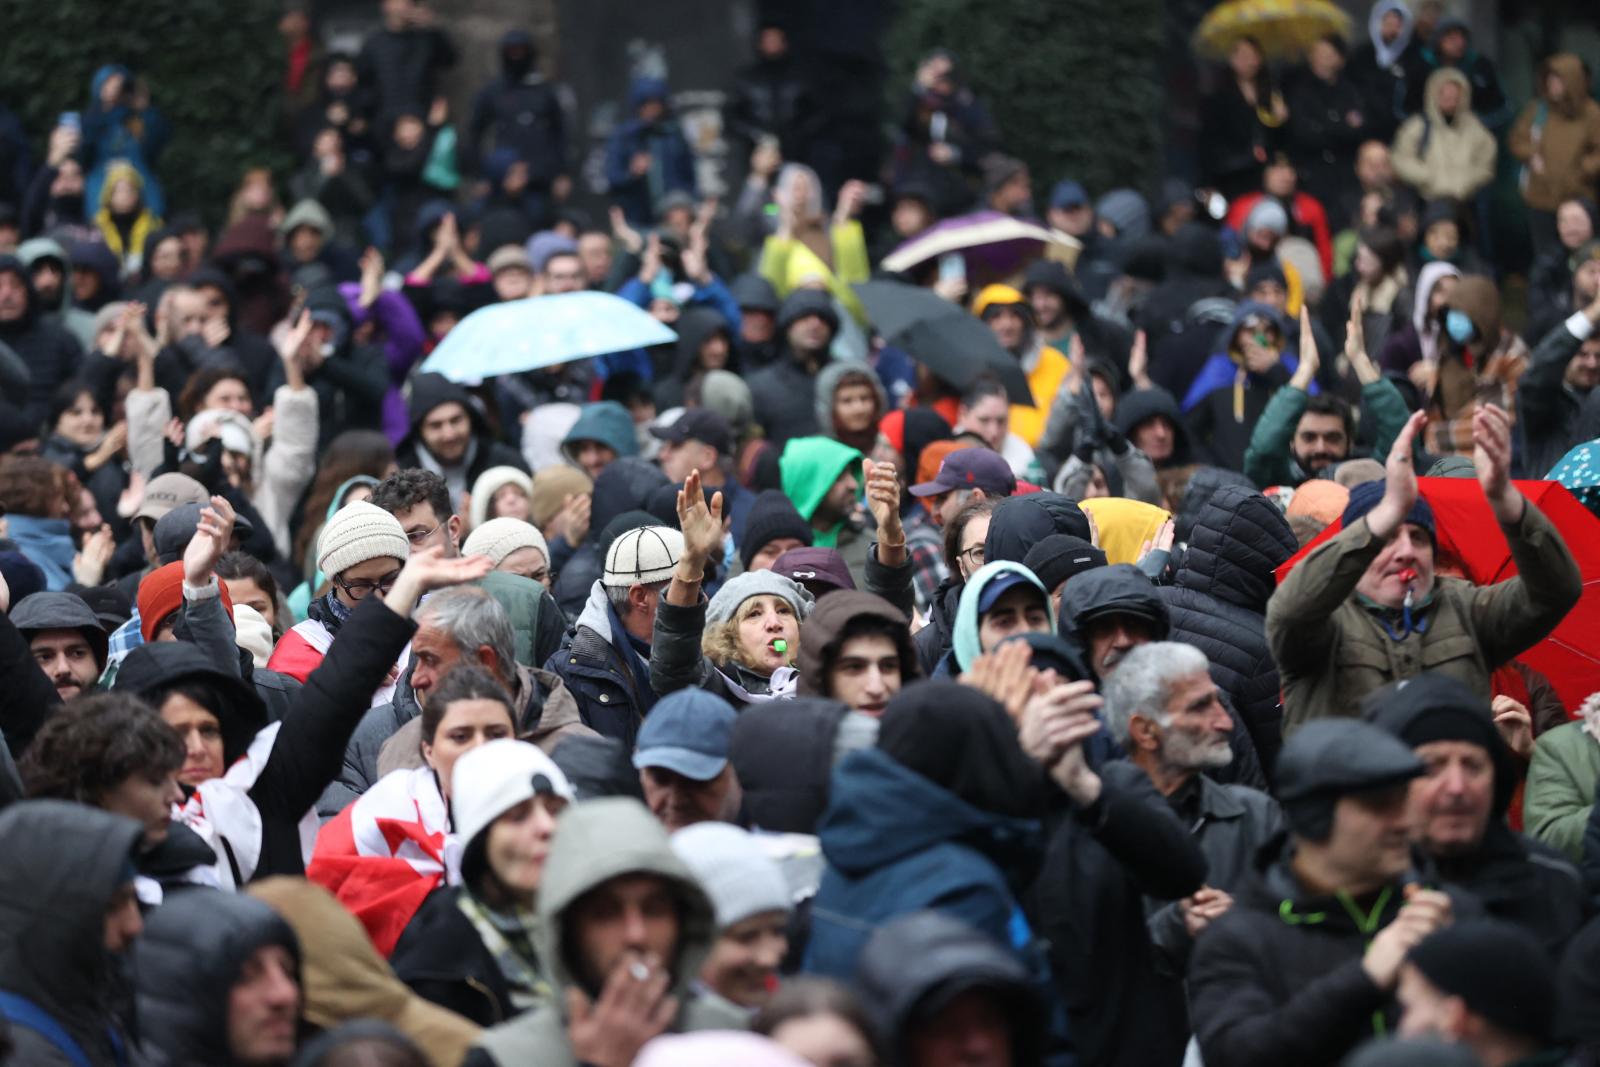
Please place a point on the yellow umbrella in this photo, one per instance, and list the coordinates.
(1285, 29)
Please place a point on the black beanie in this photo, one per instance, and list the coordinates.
(15, 427)
(1500, 971)
(1058, 557)
(771, 516)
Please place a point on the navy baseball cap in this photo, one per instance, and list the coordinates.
(970, 468)
(699, 424)
(687, 732)
(1000, 585)
(1069, 194)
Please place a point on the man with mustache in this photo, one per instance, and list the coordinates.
(1457, 808)
(1366, 608)
(1304, 966)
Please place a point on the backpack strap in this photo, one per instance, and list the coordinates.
(20, 1011)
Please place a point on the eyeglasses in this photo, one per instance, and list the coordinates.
(360, 588)
(972, 557)
(419, 537)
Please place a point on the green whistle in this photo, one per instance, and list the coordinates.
(780, 646)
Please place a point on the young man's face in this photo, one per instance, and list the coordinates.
(1019, 610)
(866, 673)
(1320, 441)
(971, 1031)
(1048, 307)
(563, 273)
(1583, 370)
(1370, 839)
(264, 1008)
(1156, 437)
(630, 919)
(66, 658)
(446, 432)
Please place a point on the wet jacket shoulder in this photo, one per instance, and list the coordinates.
(634, 843)
(53, 901)
(896, 842)
(443, 959)
(189, 957)
(1219, 600)
(1331, 651)
(1088, 902)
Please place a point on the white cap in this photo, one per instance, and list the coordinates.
(734, 870)
(494, 778)
(642, 556)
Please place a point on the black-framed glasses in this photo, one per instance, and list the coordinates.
(972, 557)
(419, 537)
(360, 588)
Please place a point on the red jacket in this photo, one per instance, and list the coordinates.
(1305, 213)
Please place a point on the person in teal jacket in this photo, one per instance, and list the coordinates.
(1299, 436)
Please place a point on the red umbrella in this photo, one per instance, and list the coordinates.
(1470, 537)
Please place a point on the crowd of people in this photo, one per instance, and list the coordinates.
(1116, 694)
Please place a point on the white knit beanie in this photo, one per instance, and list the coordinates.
(498, 538)
(734, 870)
(491, 482)
(642, 556)
(360, 531)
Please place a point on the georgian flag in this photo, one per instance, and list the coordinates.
(386, 851)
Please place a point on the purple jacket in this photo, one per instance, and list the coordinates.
(403, 337)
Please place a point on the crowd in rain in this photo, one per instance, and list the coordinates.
(459, 606)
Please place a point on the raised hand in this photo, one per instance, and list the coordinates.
(625, 235)
(293, 349)
(1400, 481)
(1511, 718)
(700, 523)
(572, 521)
(1424, 911)
(210, 541)
(89, 564)
(883, 500)
(1491, 456)
(1007, 674)
(650, 263)
(1310, 358)
(1139, 361)
(852, 195)
(1051, 720)
(426, 570)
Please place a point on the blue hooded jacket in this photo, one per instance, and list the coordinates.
(897, 842)
(671, 160)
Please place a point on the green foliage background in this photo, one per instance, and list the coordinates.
(1074, 85)
(214, 68)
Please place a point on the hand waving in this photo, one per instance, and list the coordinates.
(700, 523)
(210, 541)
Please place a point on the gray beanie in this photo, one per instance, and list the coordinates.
(1267, 215)
(734, 870)
(736, 591)
(360, 531)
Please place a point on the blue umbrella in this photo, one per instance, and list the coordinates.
(543, 331)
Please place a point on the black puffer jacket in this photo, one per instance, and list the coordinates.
(193, 949)
(937, 638)
(1219, 603)
(1203, 485)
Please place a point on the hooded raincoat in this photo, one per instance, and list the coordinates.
(595, 842)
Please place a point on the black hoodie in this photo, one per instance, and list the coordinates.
(63, 863)
(49, 351)
(428, 391)
(1143, 404)
(695, 326)
(192, 954)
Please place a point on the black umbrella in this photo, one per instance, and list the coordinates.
(942, 337)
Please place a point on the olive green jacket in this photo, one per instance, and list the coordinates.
(1332, 650)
